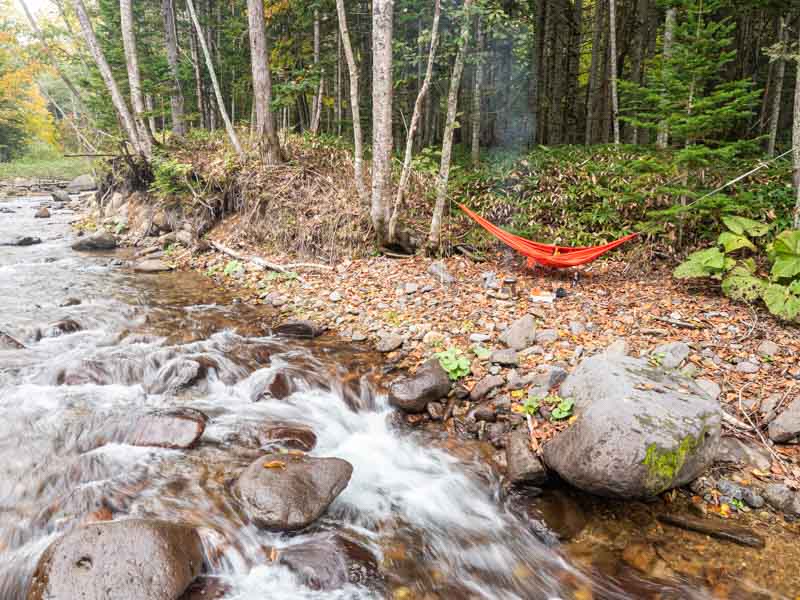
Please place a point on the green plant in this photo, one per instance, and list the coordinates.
(171, 178)
(482, 352)
(563, 409)
(454, 362)
(234, 267)
(119, 227)
(531, 406)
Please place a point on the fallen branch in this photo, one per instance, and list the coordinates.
(677, 323)
(764, 442)
(265, 264)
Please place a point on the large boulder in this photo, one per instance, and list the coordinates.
(299, 329)
(102, 240)
(60, 196)
(429, 384)
(286, 492)
(135, 558)
(82, 183)
(640, 430)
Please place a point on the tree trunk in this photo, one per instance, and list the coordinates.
(537, 52)
(266, 133)
(317, 106)
(176, 93)
(382, 95)
(220, 101)
(338, 108)
(612, 42)
(796, 141)
(669, 33)
(352, 68)
(134, 76)
(775, 113)
(639, 52)
(435, 234)
(151, 118)
(594, 70)
(198, 78)
(475, 152)
(124, 115)
(412, 129)
(576, 44)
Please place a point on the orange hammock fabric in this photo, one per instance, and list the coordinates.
(559, 257)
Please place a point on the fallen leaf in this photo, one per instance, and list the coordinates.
(275, 464)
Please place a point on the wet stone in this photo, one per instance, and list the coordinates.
(134, 558)
(63, 327)
(287, 492)
(177, 429)
(42, 213)
(429, 384)
(152, 265)
(102, 240)
(23, 240)
(299, 329)
(485, 386)
(524, 467)
(291, 436)
(9, 343)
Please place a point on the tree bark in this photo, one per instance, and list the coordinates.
(576, 44)
(435, 234)
(134, 75)
(317, 110)
(612, 42)
(198, 78)
(594, 70)
(266, 132)
(176, 101)
(775, 112)
(124, 115)
(358, 142)
(475, 151)
(662, 138)
(220, 101)
(382, 96)
(338, 108)
(796, 140)
(415, 118)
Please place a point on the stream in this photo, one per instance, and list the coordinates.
(417, 520)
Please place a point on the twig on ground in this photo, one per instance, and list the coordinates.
(764, 442)
(677, 322)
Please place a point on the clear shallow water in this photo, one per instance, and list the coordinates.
(414, 522)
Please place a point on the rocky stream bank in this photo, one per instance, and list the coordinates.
(657, 420)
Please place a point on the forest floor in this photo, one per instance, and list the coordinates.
(402, 308)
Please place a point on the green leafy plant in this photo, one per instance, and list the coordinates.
(482, 352)
(119, 227)
(454, 362)
(234, 267)
(531, 406)
(563, 409)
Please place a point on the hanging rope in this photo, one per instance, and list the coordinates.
(740, 177)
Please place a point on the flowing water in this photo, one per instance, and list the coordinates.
(416, 521)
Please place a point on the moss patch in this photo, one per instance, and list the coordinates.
(663, 465)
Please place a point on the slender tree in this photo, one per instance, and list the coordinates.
(134, 76)
(266, 132)
(475, 150)
(352, 68)
(435, 234)
(662, 137)
(176, 101)
(796, 137)
(212, 73)
(317, 110)
(382, 94)
(775, 112)
(612, 45)
(415, 118)
(121, 108)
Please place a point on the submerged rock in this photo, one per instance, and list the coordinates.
(715, 528)
(289, 435)
(429, 384)
(639, 430)
(9, 343)
(286, 492)
(134, 558)
(178, 429)
(152, 265)
(299, 329)
(60, 196)
(177, 374)
(21, 240)
(102, 240)
(63, 327)
(42, 213)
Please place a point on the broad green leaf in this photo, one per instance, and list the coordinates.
(787, 242)
(781, 302)
(710, 262)
(733, 242)
(741, 284)
(742, 225)
(786, 253)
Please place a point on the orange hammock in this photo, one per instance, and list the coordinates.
(559, 257)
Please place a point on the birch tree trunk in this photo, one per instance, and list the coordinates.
(151, 118)
(198, 78)
(475, 150)
(612, 42)
(352, 68)
(775, 112)
(338, 108)
(220, 101)
(134, 76)
(796, 140)
(415, 118)
(662, 139)
(124, 115)
(317, 109)
(435, 234)
(176, 101)
(382, 95)
(266, 132)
